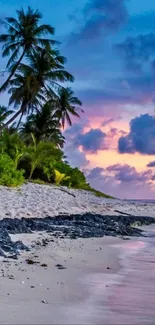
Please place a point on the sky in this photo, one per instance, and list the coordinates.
(110, 50)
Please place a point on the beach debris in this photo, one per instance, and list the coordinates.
(108, 268)
(60, 267)
(11, 277)
(32, 286)
(44, 265)
(22, 282)
(14, 256)
(44, 302)
(30, 262)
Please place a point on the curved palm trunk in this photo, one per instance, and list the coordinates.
(2, 88)
(20, 111)
(20, 120)
(12, 118)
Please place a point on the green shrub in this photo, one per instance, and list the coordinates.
(9, 175)
(13, 146)
(60, 177)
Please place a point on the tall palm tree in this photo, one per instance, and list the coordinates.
(44, 125)
(68, 105)
(24, 34)
(4, 114)
(38, 82)
(37, 153)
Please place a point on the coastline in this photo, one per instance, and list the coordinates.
(85, 291)
(69, 268)
(66, 292)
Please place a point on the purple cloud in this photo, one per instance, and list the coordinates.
(92, 140)
(110, 120)
(71, 147)
(141, 137)
(137, 51)
(151, 164)
(126, 173)
(122, 181)
(101, 17)
(95, 172)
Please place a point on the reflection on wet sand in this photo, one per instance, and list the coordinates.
(127, 297)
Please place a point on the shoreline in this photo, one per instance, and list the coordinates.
(84, 291)
(61, 289)
(68, 268)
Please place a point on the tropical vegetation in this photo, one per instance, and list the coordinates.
(40, 105)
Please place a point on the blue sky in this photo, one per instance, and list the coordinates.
(110, 47)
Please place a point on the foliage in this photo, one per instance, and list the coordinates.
(4, 114)
(77, 178)
(9, 175)
(44, 125)
(36, 90)
(37, 152)
(60, 177)
(12, 145)
(24, 35)
(68, 105)
(38, 181)
(36, 83)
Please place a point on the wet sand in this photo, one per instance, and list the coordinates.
(104, 281)
(48, 295)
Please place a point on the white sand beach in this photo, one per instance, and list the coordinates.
(92, 286)
(36, 294)
(33, 200)
(74, 281)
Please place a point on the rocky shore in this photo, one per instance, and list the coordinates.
(61, 248)
(73, 227)
(38, 208)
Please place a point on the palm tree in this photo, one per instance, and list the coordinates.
(44, 125)
(68, 105)
(4, 114)
(38, 152)
(37, 83)
(24, 35)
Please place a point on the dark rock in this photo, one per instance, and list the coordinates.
(60, 267)
(44, 265)
(78, 226)
(11, 277)
(18, 245)
(29, 261)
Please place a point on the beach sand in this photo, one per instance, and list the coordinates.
(33, 294)
(104, 280)
(100, 280)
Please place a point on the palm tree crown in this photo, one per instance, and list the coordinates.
(68, 105)
(24, 34)
(44, 125)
